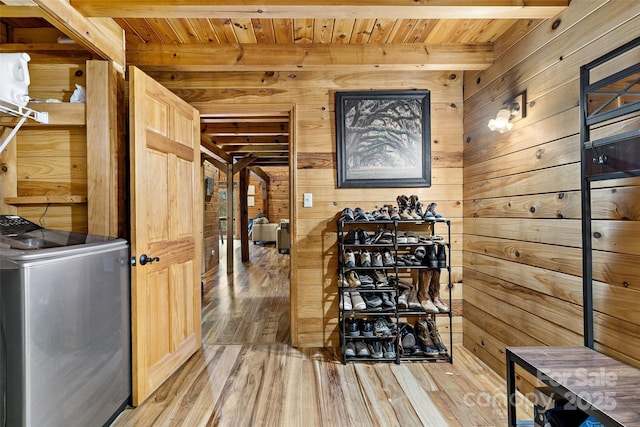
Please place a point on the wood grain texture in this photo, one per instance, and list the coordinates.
(247, 374)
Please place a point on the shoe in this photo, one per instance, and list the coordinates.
(366, 282)
(441, 306)
(350, 349)
(376, 349)
(432, 208)
(387, 258)
(384, 211)
(435, 337)
(345, 303)
(348, 258)
(388, 349)
(405, 215)
(420, 252)
(394, 213)
(402, 300)
(367, 328)
(349, 238)
(361, 215)
(431, 260)
(381, 326)
(357, 301)
(441, 256)
(343, 280)
(372, 300)
(380, 279)
(376, 259)
(429, 306)
(403, 201)
(363, 237)
(364, 258)
(401, 238)
(361, 349)
(407, 337)
(383, 237)
(387, 301)
(353, 327)
(347, 214)
(353, 279)
(424, 339)
(412, 300)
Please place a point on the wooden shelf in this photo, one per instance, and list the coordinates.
(34, 200)
(60, 114)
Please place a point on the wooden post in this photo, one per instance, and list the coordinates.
(244, 214)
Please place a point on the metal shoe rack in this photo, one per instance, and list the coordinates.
(395, 272)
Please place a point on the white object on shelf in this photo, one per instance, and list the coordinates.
(14, 92)
(14, 86)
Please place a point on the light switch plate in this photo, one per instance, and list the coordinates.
(307, 200)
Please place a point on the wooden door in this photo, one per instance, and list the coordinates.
(165, 223)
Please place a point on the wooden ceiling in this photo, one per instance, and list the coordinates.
(286, 35)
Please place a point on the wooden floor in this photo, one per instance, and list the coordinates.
(246, 374)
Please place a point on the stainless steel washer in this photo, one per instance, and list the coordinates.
(65, 326)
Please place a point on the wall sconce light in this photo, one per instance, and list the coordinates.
(511, 112)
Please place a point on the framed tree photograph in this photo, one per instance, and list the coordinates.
(383, 139)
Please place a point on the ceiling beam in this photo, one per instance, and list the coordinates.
(102, 36)
(214, 150)
(345, 9)
(256, 148)
(310, 57)
(260, 174)
(240, 140)
(20, 11)
(243, 163)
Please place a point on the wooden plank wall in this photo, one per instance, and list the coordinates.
(522, 230)
(211, 229)
(50, 160)
(278, 193)
(314, 257)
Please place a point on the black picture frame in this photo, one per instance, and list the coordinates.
(383, 139)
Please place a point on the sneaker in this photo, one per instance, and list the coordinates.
(364, 258)
(353, 327)
(376, 259)
(435, 337)
(348, 258)
(381, 326)
(380, 279)
(357, 302)
(367, 328)
(351, 238)
(350, 349)
(347, 214)
(402, 300)
(366, 281)
(353, 279)
(387, 258)
(388, 349)
(372, 300)
(376, 349)
(363, 237)
(387, 301)
(361, 349)
(345, 303)
(432, 208)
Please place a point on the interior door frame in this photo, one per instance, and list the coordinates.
(290, 109)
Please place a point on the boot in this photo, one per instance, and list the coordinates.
(412, 300)
(434, 291)
(435, 337)
(442, 256)
(424, 339)
(423, 292)
(431, 259)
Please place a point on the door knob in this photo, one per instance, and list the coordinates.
(144, 259)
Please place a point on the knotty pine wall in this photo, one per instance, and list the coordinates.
(314, 257)
(522, 230)
(50, 161)
(211, 228)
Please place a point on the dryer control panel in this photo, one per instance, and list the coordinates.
(12, 225)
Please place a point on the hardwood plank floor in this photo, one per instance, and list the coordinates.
(246, 373)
